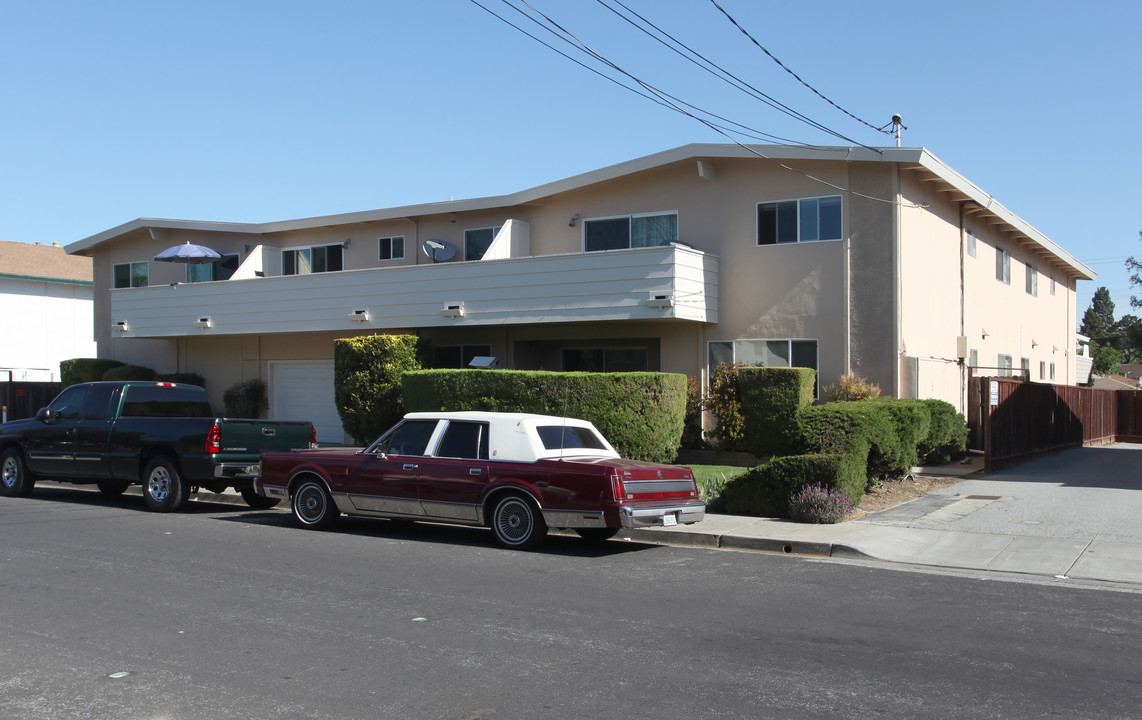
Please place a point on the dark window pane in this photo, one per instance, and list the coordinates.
(809, 221)
(607, 234)
(787, 222)
(319, 259)
(767, 224)
(830, 215)
(334, 259)
(584, 360)
(289, 262)
(464, 440)
(627, 360)
(398, 247)
(448, 356)
(123, 275)
(805, 353)
(556, 437)
(653, 230)
(721, 353)
(477, 242)
(409, 438)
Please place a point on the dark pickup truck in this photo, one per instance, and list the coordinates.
(164, 436)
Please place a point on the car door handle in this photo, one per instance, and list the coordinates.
(475, 471)
(410, 466)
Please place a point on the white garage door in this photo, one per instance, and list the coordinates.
(304, 391)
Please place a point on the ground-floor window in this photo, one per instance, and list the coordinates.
(458, 356)
(608, 359)
(765, 353)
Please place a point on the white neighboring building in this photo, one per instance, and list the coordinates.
(46, 310)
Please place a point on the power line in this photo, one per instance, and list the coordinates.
(798, 77)
(673, 102)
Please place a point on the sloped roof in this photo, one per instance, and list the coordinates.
(913, 159)
(27, 261)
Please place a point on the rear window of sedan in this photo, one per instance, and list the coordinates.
(569, 437)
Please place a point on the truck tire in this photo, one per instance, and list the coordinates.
(164, 490)
(113, 488)
(258, 502)
(517, 523)
(15, 480)
(313, 507)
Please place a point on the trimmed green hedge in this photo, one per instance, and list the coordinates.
(129, 372)
(248, 399)
(80, 370)
(770, 400)
(640, 413)
(912, 421)
(765, 490)
(367, 381)
(948, 434)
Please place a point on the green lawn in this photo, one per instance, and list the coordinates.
(712, 478)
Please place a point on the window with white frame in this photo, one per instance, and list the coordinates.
(318, 259)
(972, 242)
(973, 358)
(805, 220)
(1042, 370)
(1025, 366)
(764, 353)
(1052, 286)
(477, 241)
(128, 275)
(1052, 368)
(1004, 365)
(1031, 282)
(390, 248)
(1002, 266)
(223, 269)
(630, 231)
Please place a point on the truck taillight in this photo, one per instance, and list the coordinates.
(617, 487)
(214, 439)
(312, 437)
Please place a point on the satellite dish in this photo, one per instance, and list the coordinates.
(438, 250)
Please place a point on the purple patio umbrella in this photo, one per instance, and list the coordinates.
(188, 253)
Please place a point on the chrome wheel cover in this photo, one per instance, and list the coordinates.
(514, 521)
(11, 472)
(159, 484)
(309, 503)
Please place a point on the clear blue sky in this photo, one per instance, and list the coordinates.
(255, 111)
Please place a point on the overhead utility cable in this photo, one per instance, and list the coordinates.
(798, 77)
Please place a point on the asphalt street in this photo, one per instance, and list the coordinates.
(224, 612)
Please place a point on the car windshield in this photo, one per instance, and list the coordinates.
(569, 437)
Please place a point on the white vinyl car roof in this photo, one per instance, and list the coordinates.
(514, 437)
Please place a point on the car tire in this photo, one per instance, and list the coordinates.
(312, 505)
(517, 523)
(113, 488)
(15, 480)
(258, 502)
(597, 535)
(164, 490)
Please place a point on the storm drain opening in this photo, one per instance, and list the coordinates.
(983, 497)
(787, 549)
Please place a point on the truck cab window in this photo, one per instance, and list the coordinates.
(70, 403)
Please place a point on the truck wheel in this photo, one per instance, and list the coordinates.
(312, 506)
(163, 486)
(257, 501)
(597, 535)
(113, 488)
(516, 523)
(15, 481)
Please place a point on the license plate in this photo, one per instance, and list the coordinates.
(668, 520)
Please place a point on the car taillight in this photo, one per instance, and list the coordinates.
(214, 439)
(616, 487)
(312, 437)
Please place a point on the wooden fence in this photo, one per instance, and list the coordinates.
(23, 399)
(1012, 420)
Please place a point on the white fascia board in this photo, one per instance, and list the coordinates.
(779, 153)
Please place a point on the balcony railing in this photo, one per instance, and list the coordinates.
(672, 282)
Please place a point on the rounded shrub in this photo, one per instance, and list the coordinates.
(819, 504)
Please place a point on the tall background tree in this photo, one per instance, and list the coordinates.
(1112, 342)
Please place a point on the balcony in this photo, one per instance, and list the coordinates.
(674, 282)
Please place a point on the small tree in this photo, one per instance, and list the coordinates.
(723, 399)
(367, 380)
(851, 387)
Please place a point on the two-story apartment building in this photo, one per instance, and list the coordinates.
(885, 263)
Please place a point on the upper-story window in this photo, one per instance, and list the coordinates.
(630, 231)
(128, 275)
(1052, 286)
(390, 248)
(1002, 266)
(477, 242)
(805, 220)
(973, 242)
(1032, 281)
(303, 261)
(204, 272)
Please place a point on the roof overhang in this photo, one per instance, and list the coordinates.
(910, 158)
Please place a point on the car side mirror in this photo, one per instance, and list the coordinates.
(42, 414)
